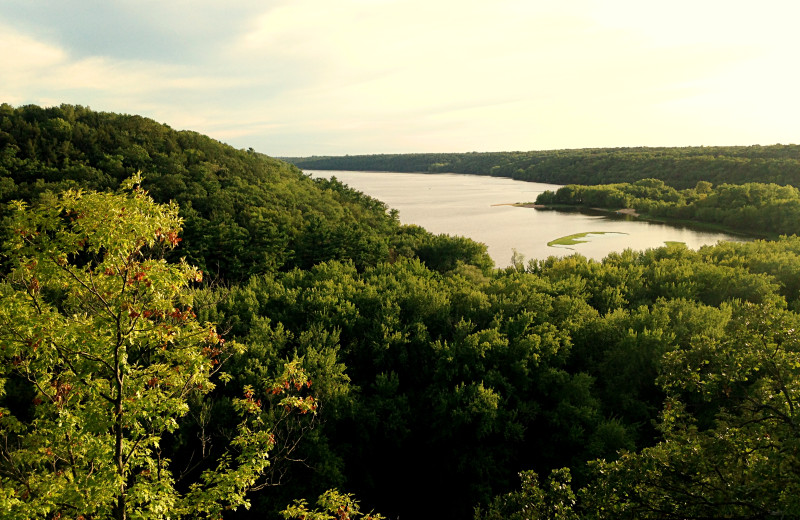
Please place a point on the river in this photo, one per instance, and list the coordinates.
(479, 207)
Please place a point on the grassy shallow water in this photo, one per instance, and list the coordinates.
(578, 238)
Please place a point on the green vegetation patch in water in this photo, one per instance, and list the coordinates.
(579, 238)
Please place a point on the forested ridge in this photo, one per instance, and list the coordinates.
(244, 213)
(334, 348)
(678, 167)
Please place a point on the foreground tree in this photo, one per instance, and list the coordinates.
(100, 354)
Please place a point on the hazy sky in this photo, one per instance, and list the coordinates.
(303, 77)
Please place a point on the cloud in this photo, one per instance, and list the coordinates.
(311, 76)
(155, 30)
(395, 71)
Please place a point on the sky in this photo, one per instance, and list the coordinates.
(325, 77)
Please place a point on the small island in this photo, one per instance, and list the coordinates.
(579, 238)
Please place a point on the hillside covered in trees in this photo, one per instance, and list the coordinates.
(337, 349)
(244, 213)
(680, 168)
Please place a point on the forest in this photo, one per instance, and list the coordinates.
(766, 210)
(194, 331)
(681, 168)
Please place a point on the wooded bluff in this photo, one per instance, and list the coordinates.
(680, 168)
(311, 342)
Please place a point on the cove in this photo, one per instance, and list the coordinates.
(482, 208)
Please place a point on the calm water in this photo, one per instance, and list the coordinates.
(473, 206)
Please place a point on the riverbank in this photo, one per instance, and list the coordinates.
(631, 213)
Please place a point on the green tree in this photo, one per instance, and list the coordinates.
(553, 501)
(333, 505)
(729, 426)
(100, 355)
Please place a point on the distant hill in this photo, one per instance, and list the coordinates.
(678, 167)
(244, 212)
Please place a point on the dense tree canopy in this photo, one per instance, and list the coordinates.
(652, 384)
(244, 213)
(728, 435)
(755, 208)
(457, 382)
